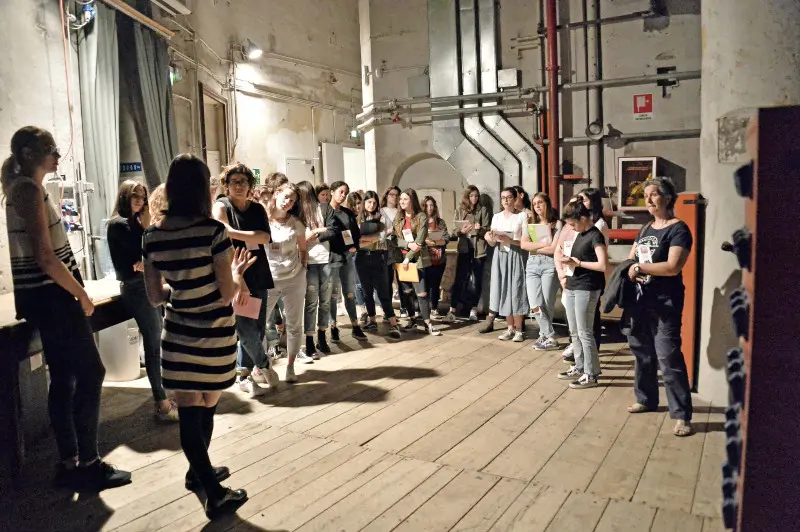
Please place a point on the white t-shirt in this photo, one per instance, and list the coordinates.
(320, 252)
(603, 226)
(283, 252)
(388, 214)
(515, 224)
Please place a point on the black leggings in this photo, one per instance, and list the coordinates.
(433, 278)
(197, 427)
(461, 291)
(369, 265)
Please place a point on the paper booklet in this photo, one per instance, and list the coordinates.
(568, 270)
(540, 233)
(250, 309)
(435, 235)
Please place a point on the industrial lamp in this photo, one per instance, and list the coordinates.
(251, 50)
(595, 130)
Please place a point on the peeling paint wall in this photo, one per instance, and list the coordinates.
(33, 90)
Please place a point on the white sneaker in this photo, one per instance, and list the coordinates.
(450, 318)
(435, 314)
(571, 374)
(473, 315)
(248, 385)
(290, 376)
(507, 335)
(585, 381)
(270, 377)
(519, 336)
(303, 357)
(433, 331)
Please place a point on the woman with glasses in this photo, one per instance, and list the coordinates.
(507, 295)
(124, 236)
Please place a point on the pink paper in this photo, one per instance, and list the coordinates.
(249, 309)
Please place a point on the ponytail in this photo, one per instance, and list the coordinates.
(38, 143)
(9, 172)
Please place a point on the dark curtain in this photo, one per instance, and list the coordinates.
(144, 65)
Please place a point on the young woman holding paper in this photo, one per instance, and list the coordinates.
(540, 272)
(371, 262)
(247, 226)
(411, 230)
(437, 240)
(585, 263)
(567, 234)
(507, 292)
(471, 224)
(389, 210)
(592, 199)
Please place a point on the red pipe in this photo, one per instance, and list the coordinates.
(552, 109)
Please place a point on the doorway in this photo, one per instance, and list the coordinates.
(213, 130)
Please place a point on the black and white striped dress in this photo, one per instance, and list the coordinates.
(198, 345)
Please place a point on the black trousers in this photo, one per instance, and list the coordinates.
(433, 278)
(371, 269)
(655, 341)
(462, 292)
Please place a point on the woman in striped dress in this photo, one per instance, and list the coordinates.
(194, 255)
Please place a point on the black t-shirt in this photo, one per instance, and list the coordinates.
(583, 250)
(659, 241)
(124, 239)
(343, 220)
(253, 218)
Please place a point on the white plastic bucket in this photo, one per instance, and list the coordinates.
(119, 351)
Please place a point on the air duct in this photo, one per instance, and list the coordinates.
(449, 140)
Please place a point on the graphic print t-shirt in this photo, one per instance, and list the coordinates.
(659, 241)
(583, 250)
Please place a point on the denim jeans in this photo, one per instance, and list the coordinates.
(76, 371)
(580, 306)
(251, 335)
(433, 279)
(344, 278)
(150, 323)
(656, 341)
(424, 302)
(372, 272)
(542, 283)
(293, 293)
(318, 298)
(360, 298)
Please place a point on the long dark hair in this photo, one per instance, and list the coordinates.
(467, 205)
(595, 202)
(363, 215)
(412, 194)
(549, 214)
(526, 201)
(309, 208)
(126, 190)
(436, 217)
(30, 146)
(188, 187)
(386, 193)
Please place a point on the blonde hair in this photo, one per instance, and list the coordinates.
(158, 203)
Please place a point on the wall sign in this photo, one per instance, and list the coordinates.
(127, 168)
(643, 107)
(257, 175)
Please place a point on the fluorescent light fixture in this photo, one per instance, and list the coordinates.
(251, 50)
(353, 133)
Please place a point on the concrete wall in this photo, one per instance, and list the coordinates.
(33, 90)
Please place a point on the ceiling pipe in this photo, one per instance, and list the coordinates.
(552, 107)
(593, 22)
(645, 135)
(139, 17)
(635, 80)
(398, 116)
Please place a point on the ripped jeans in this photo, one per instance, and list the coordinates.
(343, 275)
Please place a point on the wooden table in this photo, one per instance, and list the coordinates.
(18, 342)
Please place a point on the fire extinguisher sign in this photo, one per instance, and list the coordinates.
(643, 107)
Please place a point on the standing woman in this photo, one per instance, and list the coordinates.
(661, 250)
(49, 294)
(593, 200)
(354, 202)
(125, 229)
(523, 203)
(411, 231)
(585, 269)
(567, 234)
(316, 217)
(193, 253)
(370, 262)
(389, 210)
(540, 272)
(323, 192)
(473, 223)
(436, 251)
(507, 292)
(288, 256)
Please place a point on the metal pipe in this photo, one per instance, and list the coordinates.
(438, 113)
(552, 109)
(635, 80)
(594, 98)
(309, 64)
(593, 22)
(398, 102)
(139, 17)
(646, 135)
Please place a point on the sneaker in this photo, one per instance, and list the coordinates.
(411, 325)
(304, 357)
(519, 336)
(507, 335)
(100, 475)
(546, 344)
(358, 334)
(394, 332)
(567, 355)
(435, 314)
(248, 385)
(584, 382)
(170, 416)
(193, 483)
(571, 374)
(322, 343)
(433, 331)
(268, 376)
(371, 326)
(487, 328)
(403, 313)
(311, 349)
(386, 320)
(364, 318)
(290, 376)
(473, 315)
(450, 318)
(231, 501)
(335, 335)
(274, 352)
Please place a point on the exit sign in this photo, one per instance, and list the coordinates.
(127, 168)
(257, 175)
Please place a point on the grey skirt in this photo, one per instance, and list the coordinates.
(507, 295)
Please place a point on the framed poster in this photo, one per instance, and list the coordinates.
(632, 172)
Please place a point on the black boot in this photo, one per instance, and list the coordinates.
(322, 342)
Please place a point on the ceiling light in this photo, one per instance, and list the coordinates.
(251, 50)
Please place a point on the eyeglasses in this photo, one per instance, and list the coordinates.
(507, 198)
(238, 183)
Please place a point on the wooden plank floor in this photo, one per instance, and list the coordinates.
(460, 432)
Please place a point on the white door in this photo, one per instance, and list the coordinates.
(299, 170)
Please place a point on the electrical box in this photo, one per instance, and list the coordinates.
(419, 86)
(507, 78)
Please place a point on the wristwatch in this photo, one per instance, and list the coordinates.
(636, 268)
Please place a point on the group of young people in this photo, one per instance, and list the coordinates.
(202, 267)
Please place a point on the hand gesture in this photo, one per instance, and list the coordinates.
(242, 259)
(138, 267)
